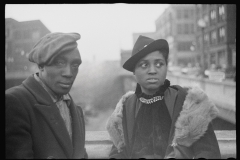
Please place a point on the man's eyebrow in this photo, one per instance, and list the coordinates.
(77, 61)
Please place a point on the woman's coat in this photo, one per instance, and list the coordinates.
(191, 133)
(34, 127)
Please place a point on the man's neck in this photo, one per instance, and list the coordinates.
(47, 88)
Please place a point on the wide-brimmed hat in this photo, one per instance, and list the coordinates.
(51, 45)
(142, 47)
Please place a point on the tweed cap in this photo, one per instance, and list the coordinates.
(52, 45)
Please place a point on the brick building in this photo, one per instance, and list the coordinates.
(177, 25)
(20, 37)
(219, 34)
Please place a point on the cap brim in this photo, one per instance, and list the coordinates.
(159, 44)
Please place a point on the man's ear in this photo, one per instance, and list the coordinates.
(40, 67)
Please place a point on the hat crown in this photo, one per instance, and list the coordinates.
(141, 43)
(51, 45)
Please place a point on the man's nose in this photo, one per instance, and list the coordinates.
(67, 71)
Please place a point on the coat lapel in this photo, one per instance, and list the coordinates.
(130, 110)
(56, 123)
(77, 132)
(177, 107)
(51, 114)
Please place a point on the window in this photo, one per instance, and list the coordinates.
(35, 35)
(206, 38)
(191, 13)
(222, 34)
(184, 46)
(213, 37)
(186, 28)
(186, 16)
(191, 28)
(221, 12)
(179, 29)
(206, 19)
(179, 14)
(213, 16)
(17, 35)
(26, 34)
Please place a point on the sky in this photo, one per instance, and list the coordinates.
(105, 29)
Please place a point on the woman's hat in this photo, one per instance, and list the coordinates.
(142, 47)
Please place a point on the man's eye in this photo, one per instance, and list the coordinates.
(60, 63)
(75, 65)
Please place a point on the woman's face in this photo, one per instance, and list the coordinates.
(151, 72)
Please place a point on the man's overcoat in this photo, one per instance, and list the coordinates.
(191, 132)
(34, 127)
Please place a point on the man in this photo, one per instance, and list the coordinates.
(160, 120)
(42, 120)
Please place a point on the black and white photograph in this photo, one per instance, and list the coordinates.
(120, 81)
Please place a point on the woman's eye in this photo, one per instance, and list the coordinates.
(143, 65)
(159, 64)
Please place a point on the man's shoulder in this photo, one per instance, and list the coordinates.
(16, 90)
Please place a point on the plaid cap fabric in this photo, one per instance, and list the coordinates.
(52, 45)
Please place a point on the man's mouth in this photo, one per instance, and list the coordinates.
(65, 85)
(152, 80)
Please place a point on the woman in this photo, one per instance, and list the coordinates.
(159, 120)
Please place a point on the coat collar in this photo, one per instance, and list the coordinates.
(37, 91)
(48, 109)
(195, 105)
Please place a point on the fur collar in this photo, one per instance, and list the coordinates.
(192, 123)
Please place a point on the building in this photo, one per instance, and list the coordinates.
(177, 25)
(20, 37)
(218, 37)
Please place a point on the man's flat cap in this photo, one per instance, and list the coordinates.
(52, 45)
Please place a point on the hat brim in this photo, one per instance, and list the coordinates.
(159, 44)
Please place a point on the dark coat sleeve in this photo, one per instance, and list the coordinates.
(207, 146)
(17, 130)
(82, 116)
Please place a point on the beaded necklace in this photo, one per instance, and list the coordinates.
(149, 99)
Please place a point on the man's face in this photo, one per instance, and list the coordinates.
(151, 71)
(61, 73)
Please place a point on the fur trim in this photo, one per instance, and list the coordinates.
(198, 111)
(191, 124)
(114, 123)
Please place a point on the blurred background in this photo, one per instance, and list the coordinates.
(201, 37)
